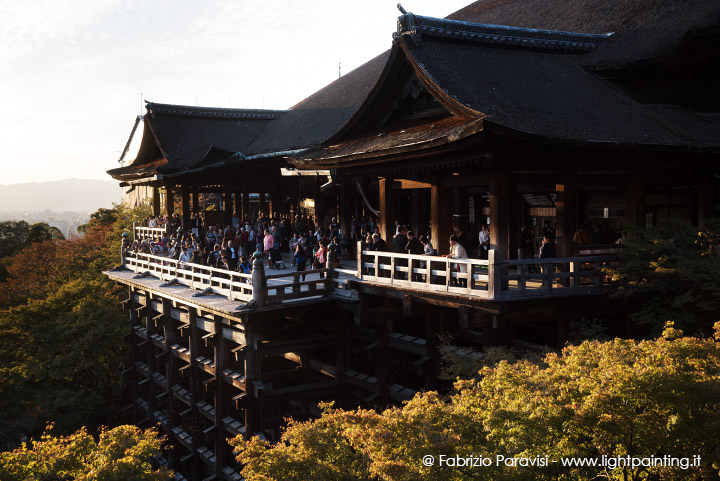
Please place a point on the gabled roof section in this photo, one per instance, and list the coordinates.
(179, 137)
(375, 130)
(399, 69)
(316, 118)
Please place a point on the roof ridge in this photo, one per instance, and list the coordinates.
(211, 112)
(416, 25)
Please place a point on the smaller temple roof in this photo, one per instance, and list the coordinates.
(180, 137)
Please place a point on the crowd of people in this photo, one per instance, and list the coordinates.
(230, 247)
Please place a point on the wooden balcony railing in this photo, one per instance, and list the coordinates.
(428, 273)
(148, 233)
(475, 278)
(261, 289)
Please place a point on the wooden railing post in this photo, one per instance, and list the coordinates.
(134, 238)
(330, 263)
(259, 282)
(494, 277)
(359, 260)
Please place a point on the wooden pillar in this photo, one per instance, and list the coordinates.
(222, 350)
(151, 360)
(383, 360)
(706, 201)
(565, 215)
(433, 326)
(195, 201)
(253, 414)
(635, 201)
(499, 197)
(133, 346)
(516, 218)
(347, 207)
(343, 362)
(195, 429)
(388, 210)
(169, 200)
(185, 208)
(156, 201)
(246, 205)
(237, 207)
(170, 334)
(441, 199)
(262, 207)
(227, 204)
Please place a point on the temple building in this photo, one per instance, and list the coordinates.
(506, 114)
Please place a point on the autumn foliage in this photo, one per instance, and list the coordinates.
(61, 328)
(616, 398)
(122, 453)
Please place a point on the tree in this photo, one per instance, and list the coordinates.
(673, 272)
(616, 398)
(41, 232)
(122, 453)
(15, 235)
(61, 333)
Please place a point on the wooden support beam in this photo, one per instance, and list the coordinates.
(405, 184)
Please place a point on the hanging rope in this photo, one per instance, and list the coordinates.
(365, 199)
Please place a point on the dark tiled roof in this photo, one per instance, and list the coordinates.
(318, 117)
(548, 95)
(186, 134)
(643, 29)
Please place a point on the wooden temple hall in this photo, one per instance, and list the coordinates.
(505, 114)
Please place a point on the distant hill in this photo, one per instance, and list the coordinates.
(61, 195)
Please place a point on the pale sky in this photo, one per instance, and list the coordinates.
(72, 71)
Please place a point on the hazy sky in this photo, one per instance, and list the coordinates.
(72, 71)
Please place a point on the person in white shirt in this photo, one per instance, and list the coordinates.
(457, 251)
(185, 256)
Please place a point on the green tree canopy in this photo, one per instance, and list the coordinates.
(16, 235)
(122, 453)
(673, 273)
(61, 327)
(616, 398)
